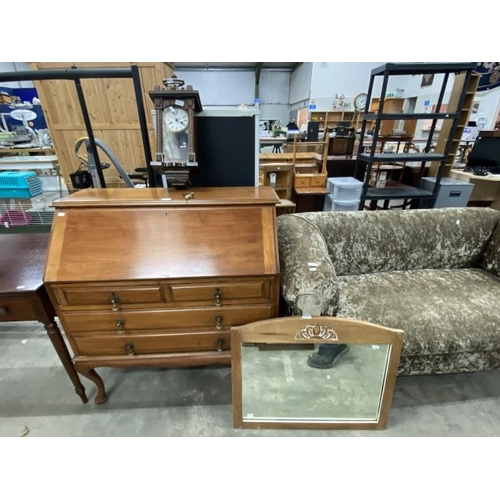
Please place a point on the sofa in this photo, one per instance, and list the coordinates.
(434, 273)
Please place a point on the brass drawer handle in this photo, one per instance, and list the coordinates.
(218, 297)
(120, 325)
(218, 322)
(115, 302)
(220, 345)
(3, 311)
(130, 349)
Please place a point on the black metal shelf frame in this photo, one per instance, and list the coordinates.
(397, 69)
(77, 74)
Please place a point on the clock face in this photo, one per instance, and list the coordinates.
(360, 101)
(175, 119)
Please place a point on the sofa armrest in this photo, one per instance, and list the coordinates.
(490, 260)
(306, 267)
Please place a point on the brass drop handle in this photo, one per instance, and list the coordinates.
(115, 302)
(218, 297)
(218, 322)
(130, 349)
(3, 311)
(220, 345)
(120, 325)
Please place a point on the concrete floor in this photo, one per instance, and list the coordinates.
(35, 393)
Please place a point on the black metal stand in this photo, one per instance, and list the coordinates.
(76, 75)
(420, 197)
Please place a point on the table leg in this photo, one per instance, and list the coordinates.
(92, 375)
(62, 351)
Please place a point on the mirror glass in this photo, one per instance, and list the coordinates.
(313, 372)
(279, 385)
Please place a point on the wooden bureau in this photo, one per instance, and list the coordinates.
(144, 277)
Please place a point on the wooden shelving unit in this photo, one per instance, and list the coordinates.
(331, 119)
(465, 112)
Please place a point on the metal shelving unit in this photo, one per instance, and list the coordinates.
(400, 191)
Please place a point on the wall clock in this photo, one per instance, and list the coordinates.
(359, 102)
(175, 107)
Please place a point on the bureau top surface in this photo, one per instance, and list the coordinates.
(130, 242)
(22, 259)
(109, 197)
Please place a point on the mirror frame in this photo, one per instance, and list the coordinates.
(318, 330)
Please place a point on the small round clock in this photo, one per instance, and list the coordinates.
(176, 119)
(359, 101)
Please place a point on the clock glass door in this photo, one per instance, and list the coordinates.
(175, 134)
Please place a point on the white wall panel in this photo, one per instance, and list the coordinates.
(329, 78)
(230, 88)
(300, 83)
(221, 88)
(274, 87)
(275, 112)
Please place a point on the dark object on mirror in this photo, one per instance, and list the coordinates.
(327, 355)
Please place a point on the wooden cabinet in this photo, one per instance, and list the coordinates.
(145, 277)
(283, 175)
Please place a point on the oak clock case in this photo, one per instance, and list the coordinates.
(175, 115)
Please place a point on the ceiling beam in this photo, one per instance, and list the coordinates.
(258, 68)
(235, 66)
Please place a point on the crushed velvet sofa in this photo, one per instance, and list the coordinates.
(433, 273)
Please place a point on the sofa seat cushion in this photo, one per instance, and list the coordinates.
(440, 310)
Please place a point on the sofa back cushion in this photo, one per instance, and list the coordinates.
(399, 240)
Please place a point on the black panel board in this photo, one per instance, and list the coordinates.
(226, 151)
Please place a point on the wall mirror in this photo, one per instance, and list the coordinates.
(274, 386)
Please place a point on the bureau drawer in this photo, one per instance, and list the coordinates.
(111, 297)
(127, 322)
(221, 294)
(14, 309)
(152, 344)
